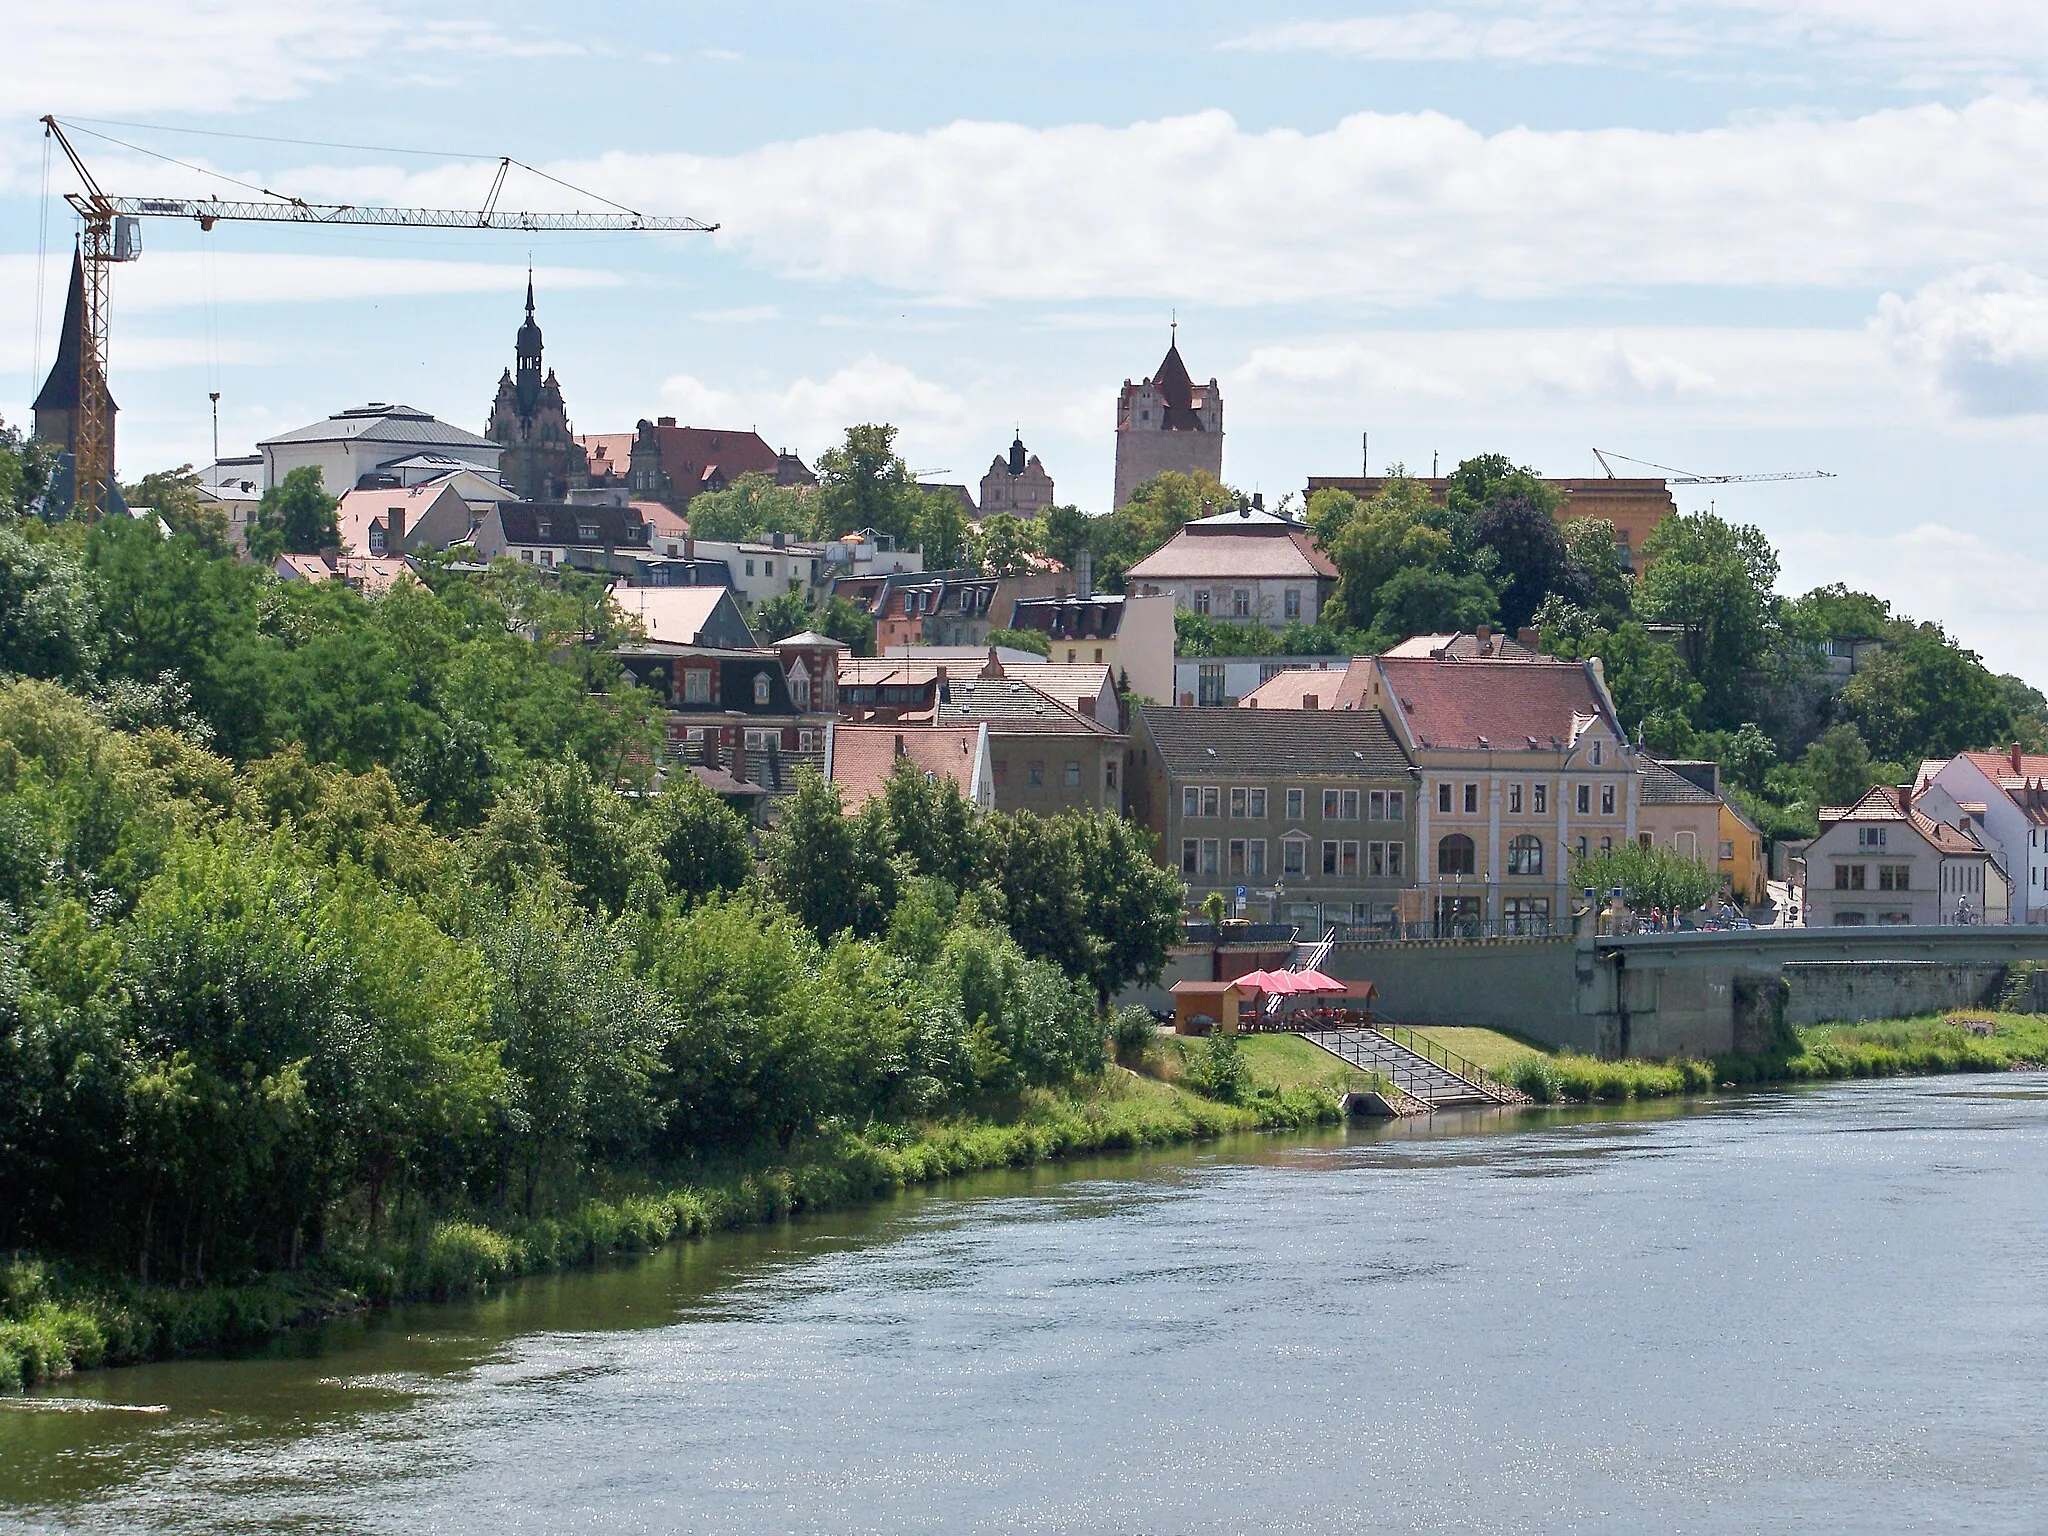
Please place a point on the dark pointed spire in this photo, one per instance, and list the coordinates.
(64, 387)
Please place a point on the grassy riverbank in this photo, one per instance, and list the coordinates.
(56, 1318)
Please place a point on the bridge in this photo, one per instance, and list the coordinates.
(1699, 994)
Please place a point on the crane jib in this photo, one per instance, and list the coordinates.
(207, 210)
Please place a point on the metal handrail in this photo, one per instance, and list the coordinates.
(1422, 1045)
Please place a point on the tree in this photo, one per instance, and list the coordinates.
(49, 610)
(26, 464)
(1836, 767)
(821, 868)
(940, 527)
(1130, 904)
(1713, 580)
(700, 843)
(932, 828)
(1747, 756)
(1420, 600)
(780, 616)
(863, 484)
(295, 518)
(173, 495)
(1001, 545)
(1063, 532)
(1925, 696)
(1022, 640)
(752, 507)
(1649, 877)
(1518, 521)
(1372, 542)
(1594, 579)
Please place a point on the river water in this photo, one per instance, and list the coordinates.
(1790, 1311)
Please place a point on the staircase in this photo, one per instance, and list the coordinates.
(1417, 1066)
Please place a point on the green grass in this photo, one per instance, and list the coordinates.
(1492, 1049)
(1283, 1062)
(56, 1318)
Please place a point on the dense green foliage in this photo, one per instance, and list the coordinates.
(1648, 877)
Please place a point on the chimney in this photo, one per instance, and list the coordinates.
(901, 750)
(1087, 708)
(1084, 573)
(1484, 635)
(1187, 701)
(1311, 701)
(2015, 754)
(394, 530)
(1258, 501)
(1905, 793)
(689, 547)
(664, 421)
(1527, 636)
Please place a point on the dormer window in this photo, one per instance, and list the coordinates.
(761, 689)
(376, 538)
(588, 533)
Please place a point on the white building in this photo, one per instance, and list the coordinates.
(370, 439)
(1885, 860)
(2005, 795)
(1247, 567)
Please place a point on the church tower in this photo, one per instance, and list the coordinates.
(1167, 423)
(543, 461)
(61, 399)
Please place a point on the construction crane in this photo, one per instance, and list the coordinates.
(1686, 477)
(112, 235)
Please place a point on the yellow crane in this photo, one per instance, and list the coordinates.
(112, 235)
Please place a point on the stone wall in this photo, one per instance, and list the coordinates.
(1845, 991)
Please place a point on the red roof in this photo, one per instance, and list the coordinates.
(1248, 554)
(863, 757)
(690, 456)
(1880, 802)
(1338, 687)
(1499, 705)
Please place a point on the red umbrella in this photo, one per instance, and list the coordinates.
(1254, 981)
(1313, 980)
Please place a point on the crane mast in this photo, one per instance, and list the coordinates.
(110, 235)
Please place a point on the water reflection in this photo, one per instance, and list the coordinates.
(1781, 1311)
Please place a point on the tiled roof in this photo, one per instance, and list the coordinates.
(1333, 687)
(863, 756)
(303, 567)
(1245, 743)
(1453, 705)
(1068, 682)
(1070, 618)
(358, 509)
(1663, 787)
(562, 526)
(1012, 706)
(1252, 554)
(1464, 646)
(810, 640)
(1881, 803)
(673, 614)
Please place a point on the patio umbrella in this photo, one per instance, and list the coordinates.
(1254, 981)
(1281, 983)
(1313, 980)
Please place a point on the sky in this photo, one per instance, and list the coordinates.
(1732, 236)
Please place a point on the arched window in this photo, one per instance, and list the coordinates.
(761, 688)
(1525, 855)
(1454, 855)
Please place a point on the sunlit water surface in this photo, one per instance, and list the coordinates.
(1817, 1310)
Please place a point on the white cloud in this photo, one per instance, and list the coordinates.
(1980, 338)
(817, 411)
(1905, 40)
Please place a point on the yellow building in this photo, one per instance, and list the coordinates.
(1743, 868)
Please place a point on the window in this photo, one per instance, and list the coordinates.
(1585, 799)
(1455, 855)
(1209, 685)
(1606, 843)
(1443, 798)
(1329, 858)
(376, 538)
(1894, 877)
(1255, 863)
(1294, 799)
(1686, 843)
(1290, 603)
(1870, 837)
(1350, 860)
(1471, 799)
(1208, 855)
(1258, 805)
(1239, 799)
(697, 686)
(906, 596)
(1394, 859)
(1596, 754)
(1375, 858)
(1201, 599)
(1851, 919)
(1212, 800)
(1189, 852)
(1240, 604)
(1002, 770)
(768, 569)
(1514, 799)
(1376, 805)
(1351, 805)
(1727, 850)
(800, 690)
(1849, 877)
(1606, 799)
(1294, 855)
(1109, 775)
(1190, 800)
(526, 555)
(1526, 914)
(1525, 855)
(1073, 775)
(1396, 805)
(1035, 774)
(807, 741)
(1541, 799)
(762, 688)
(1237, 856)
(1582, 847)
(761, 741)
(1329, 805)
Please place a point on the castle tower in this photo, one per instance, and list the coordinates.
(543, 460)
(1017, 485)
(1167, 423)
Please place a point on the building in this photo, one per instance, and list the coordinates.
(1481, 644)
(1335, 682)
(372, 577)
(1017, 485)
(1885, 860)
(1679, 808)
(1132, 636)
(366, 441)
(705, 616)
(863, 757)
(661, 461)
(906, 685)
(1043, 756)
(397, 519)
(1635, 507)
(1168, 422)
(1744, 870)
(1524, 769)
(732, 716)
(2006, 795)
(1248, 567)
(551, 534)
(1223, 682)
(767, 568)
(1312, 817)
(55, 411)
(542, 459)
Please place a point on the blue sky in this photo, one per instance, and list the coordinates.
(1744, 235)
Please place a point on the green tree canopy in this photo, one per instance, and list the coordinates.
(1648, 877)
(863, 484)
(752, 507)
(1713, 580)
(295, 518)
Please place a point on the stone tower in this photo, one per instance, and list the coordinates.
(1018, 484)
(1167, 422)
(543, 460)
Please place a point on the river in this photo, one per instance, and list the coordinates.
(1818, 1309)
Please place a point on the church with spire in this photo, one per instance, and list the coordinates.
(61, 399)
(1168, 422)
(542, 461)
